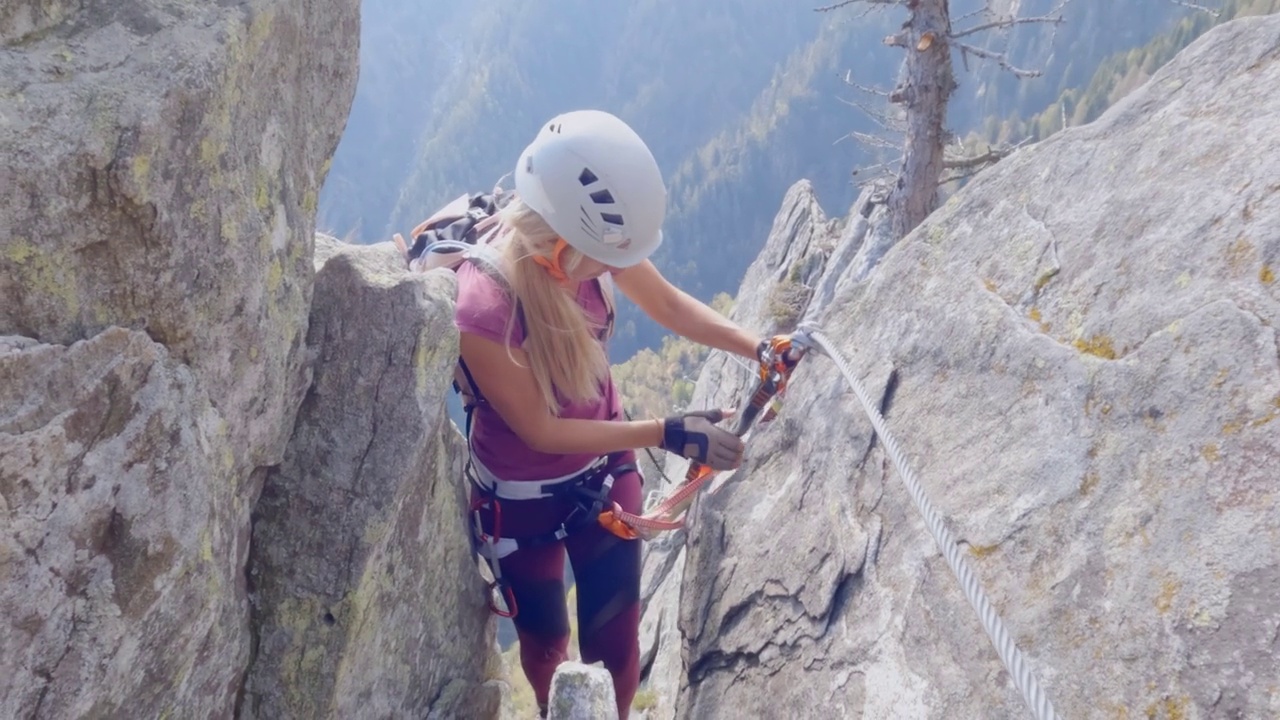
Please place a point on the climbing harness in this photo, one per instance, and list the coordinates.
(588, 489)
(779, 357)
(1036, 699)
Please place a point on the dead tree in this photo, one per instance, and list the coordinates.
(922, 94)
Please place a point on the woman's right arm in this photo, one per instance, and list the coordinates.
(506, 381)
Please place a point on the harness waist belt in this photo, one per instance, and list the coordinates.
(527, 489)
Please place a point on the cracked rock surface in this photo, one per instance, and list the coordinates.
(366, 595)
(1078, 355)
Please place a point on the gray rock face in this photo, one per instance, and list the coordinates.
(581, 692)
(121, 543)
(367, 600)
(161, 163)
(156, 177)
(775, 291)
(1078, 355)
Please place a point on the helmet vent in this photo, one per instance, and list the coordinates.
(602, 197)
(611, 218)
(587, 177)
(586, 222)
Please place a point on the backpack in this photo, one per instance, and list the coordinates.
(464, 230)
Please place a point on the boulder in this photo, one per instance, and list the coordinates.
(121, 543)
(367, 599)
(161, 167)
(1078, 356)
(581, 692)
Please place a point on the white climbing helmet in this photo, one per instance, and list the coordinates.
(595, 182)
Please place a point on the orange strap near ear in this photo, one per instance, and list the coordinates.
(553, 265)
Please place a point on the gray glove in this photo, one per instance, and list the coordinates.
(695, 436)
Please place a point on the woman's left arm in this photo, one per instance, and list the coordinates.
(682, 313)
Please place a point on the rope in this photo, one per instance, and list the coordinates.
(1013, 660)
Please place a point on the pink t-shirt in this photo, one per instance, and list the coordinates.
(483, 308)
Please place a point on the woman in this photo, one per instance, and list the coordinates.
(549, 444)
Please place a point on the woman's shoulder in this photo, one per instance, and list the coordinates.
(484, 305)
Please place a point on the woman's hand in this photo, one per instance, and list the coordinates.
(695, 436)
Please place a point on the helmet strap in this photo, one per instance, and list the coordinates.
(552, 265)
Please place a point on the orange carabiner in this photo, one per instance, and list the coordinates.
(503, 591)
(612, 521)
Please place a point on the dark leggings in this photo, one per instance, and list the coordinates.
(607, 574)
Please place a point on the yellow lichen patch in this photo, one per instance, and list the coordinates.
(230, 233)
(989, 284)
(141, 170)
(1184, 279)
(39, 273)
(1045, 277)
(206, 545)
(275, 276)
(1265, 419)
(1240, 254)
(1267, 275)
(259, 31)
(1098, 345)
(1168, 590)
(262, 197)
(1168, 709)
(1210, 452)
(309, 201)
(981, 551)
(210, 151)
(1035, 317)
(20, 250)
(1089, 482)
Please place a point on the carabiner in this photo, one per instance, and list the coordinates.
(611, 520)
(500, 590)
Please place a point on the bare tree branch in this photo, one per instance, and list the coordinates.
(992, 155)
(846, 3)
(959, 176)
(848, 80)
(1009, 22)
(879, 166)
(1000, 58)
(1196, 6)
(878, 117)
(873, 140)
(986, 10)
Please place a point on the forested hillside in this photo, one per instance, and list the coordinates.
(738, 100)
(1115, 77)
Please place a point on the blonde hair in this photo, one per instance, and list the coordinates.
(560, 340)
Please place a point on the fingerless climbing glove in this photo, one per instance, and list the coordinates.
(695, 436)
